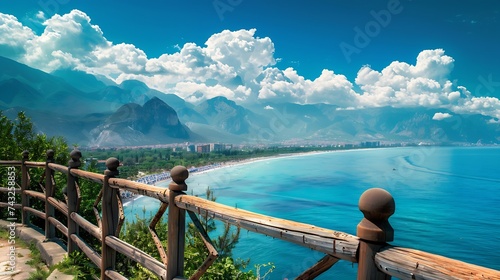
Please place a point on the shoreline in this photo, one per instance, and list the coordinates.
(233, 163)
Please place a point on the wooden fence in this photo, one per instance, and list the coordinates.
(375, 257)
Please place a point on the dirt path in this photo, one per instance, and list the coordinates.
(13, 262)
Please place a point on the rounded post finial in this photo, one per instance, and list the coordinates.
(25, 155)
(75, 155)
(112, 164)
(377, 206)
(179, 175)
(50, 155)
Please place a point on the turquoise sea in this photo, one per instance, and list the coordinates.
(447, 201)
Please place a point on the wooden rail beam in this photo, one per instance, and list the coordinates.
(10, 163)
(6, 190)
(321, 266)
(405, 263)
(57, 167)
(35, 194)
(89, 252)
(35, 164)
(338, 244)
(115, 275)
(139, 188)
(37, 213)
(94, 177)
(61, 206)
(16, 205)
(86, 225)
(60, 226)
(137, 255)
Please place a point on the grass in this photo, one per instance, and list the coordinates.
(79, 265)
(36, 261)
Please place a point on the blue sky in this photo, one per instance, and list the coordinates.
(309, 46)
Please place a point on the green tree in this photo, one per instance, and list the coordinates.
(225, 267)
(19, 135)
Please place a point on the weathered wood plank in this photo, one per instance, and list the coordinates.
(58, 167)
(61, 206)
(91, 253)
(338, 244)
(137, 255)
(37, 213)
(6, 204)
(86, 225)
(95, 177)
(4, 190)
(11, 163)
(139, 188)
(34, 164)
(35, 194)
(114, 275)
(405, 263)
(212, 252)
(321, 266)
(60, 226)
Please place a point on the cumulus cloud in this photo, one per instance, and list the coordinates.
(238, 65)
(401, 84)
(424, 84)
(441, 116)
(13, 36)
(67, 41)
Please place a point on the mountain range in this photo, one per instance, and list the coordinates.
(94, 111)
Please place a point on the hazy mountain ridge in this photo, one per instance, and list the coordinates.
(88, 111)
(153, 123)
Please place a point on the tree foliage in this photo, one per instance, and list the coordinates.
(19, 135)
(225, 267)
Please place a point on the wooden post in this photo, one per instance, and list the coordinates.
(176, 224)
(109, 216)
(374, 231)
(50, 231)
(24, 186)
(72, 196)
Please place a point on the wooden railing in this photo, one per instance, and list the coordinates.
(375, 257)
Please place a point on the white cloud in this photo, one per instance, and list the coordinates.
(424, 84)
(13, 37)
(401, 84)
(268, 107)
(331, 88)
(238, 65)
(441, 116)
(41, 15)
(242, 51)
